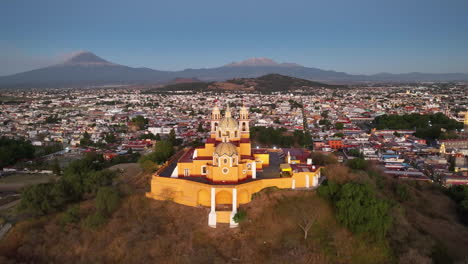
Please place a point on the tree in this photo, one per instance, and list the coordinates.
(172, 138)
(324, 114)
(200, 128)
(163, 150)
(86, 140)
(339, 126)
(358, 207)
(357, 164)
(148, 136)
(56, 167)
(340, 135)
(110, 138)
(140, 121)
(305, 220)
(157, 137)
(13, 150)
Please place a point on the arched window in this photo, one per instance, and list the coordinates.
(235, 133)
(244, 126)
(225, 161)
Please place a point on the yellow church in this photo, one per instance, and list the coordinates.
(226, 171)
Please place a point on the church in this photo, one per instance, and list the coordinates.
(226, 171)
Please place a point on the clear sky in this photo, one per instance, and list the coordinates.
(355, 36)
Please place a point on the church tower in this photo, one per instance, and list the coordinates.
(215, 118)
(244, 121)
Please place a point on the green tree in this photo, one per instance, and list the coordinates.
(140, 121)
(358, 207)
(163, 150)
(339, 126)
(148, 136)
(200, 128)
(56, 167)
(110, 138)
(172, 138)
(86, 140)
(357, 164)
(13, 150)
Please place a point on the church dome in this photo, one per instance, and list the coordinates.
(228, 124)
(225, 148)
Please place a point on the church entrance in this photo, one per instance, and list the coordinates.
(223, 201)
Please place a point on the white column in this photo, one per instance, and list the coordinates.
(234, 209)
(212, 215)
(307, 181)
(254, 170)
(175, 172)
(315, 179)
(293, 186)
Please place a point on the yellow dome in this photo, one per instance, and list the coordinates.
(228, 123)
(225, 148)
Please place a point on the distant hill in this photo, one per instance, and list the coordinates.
(84, 69)
(87, 69)
(278, 82)
(266, 83)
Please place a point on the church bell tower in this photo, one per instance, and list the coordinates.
(244, 120)
(215, 118)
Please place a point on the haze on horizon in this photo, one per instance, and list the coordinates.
(358, 37)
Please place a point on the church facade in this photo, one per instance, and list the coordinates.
(226, 171)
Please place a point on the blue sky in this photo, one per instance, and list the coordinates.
(355, 36)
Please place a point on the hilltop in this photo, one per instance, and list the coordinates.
(266, 83)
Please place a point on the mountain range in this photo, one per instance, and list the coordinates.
(88, 69)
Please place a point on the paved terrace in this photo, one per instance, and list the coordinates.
(272, 171)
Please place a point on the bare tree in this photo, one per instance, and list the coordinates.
(305, 224)
(304, 213)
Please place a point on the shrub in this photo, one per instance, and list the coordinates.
(147, 165)
(43, 198)
(240, 216)
(71, 215)
(460, 195)
(322, 159)
(402, 191)
(357, 164)
(358, 208)
(94, 220)
(107, 200)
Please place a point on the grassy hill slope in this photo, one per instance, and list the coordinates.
(425, 229)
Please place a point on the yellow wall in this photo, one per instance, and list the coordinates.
(193, 193)
(223, 217)
(264, 158)
(207, 151)
(245, 149)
